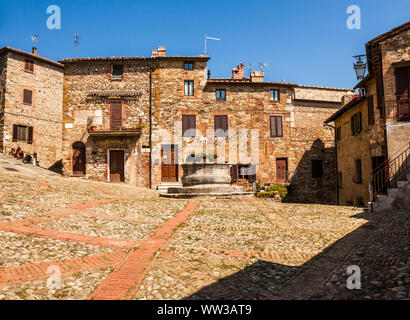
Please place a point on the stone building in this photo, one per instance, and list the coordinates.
(373, 130)
(31, 100)
(111, 105)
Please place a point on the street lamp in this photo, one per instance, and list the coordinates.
(359, 66)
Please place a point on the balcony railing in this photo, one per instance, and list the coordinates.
(98, 128)
(398, 108)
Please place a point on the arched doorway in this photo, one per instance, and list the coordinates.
(79, 158)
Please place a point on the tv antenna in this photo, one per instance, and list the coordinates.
(34, 39)
(209, 38)
(262, 66)
(76, 43)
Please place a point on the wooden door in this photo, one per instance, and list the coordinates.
(116, 116)
(79, 158)
(403, 92)
(281, 170)
(116, 165)
(169, 166)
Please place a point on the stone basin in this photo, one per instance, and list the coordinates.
(206, 180)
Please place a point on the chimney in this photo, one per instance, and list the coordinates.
(34, 50)
(239, 71)
(257, 76)
(154, 53)
(162, 51)
(347, 98)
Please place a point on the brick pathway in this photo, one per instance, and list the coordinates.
(113, 241)
(123, 282)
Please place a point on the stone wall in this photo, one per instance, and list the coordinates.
(84, 101)
(45, 113)
(395, 52)
(248, 106)
(369, 143)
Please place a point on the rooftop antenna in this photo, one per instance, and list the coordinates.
(34, 39)
(210, 38)
(76, 43)
(262, 66)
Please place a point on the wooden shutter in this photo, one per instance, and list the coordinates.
(370, 110)
(14, 133)
(359, 122)
(30, 135)
(27, 96)
(116, 116)
(403, 92)
(221, 123)
(276, 129)
(188, 122)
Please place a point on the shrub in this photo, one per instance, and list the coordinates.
(272, 190)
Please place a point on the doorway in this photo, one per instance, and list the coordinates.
(169, 164)
(281, 170)
(78, 160)
(116, 165)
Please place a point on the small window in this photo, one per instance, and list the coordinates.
(221, 126)
(188, 65)
(188, 125)
(220, 94)
(189, 87)
(338, 133)
(317, 168)
(27, 96)
(358, 171)
(356, 123)
(276, 129)
(22, 133)
(29, 65)
(274, 95)
(117, 71)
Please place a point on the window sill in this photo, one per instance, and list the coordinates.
(28, 71)
(27, 104)
(117, 79)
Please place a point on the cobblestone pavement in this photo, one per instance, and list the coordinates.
(114, 241)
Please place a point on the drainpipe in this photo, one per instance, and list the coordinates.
(150, 127)
(337, 168)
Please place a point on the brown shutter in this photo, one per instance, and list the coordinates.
(116, 116)
(30, 135)
(276, 129)
(27, 96)
(272, 126)
(184, 124)
(14, 133)
(225, 124)
(192, 123)
(279, 126)
(370, 110)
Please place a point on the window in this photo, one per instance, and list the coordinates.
(189, 87)
(29, 65)
(358, 171)
(188, 65)
(276, 126)
(22, 133)
(220, 94)
(274, 95)
(27, 96)
(188, 125)
(221, 126)
(338, 133)
(356, 123)
(243, 172)
(370, 110)
(317, 168)
(117, 71)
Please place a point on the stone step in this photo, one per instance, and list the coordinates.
(392, 192)
(402, 184)
(164, 187)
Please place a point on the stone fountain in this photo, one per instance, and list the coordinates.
(206, 180)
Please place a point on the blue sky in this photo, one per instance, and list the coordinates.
(305, 42)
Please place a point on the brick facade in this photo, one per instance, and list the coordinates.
(44, 114)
